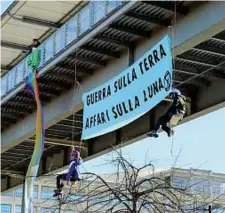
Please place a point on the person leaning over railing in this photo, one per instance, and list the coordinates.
(34, 58)
(35, 44)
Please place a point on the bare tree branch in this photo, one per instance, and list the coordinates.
(134, 190)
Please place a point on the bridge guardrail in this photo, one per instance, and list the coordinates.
(74, 28)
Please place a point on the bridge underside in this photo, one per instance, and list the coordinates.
(199, 56)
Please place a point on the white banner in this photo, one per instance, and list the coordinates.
(129, 95)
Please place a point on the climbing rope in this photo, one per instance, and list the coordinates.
(173, 25)
(202, 73)
(76, 90)
(171, 150)
(74, 99)
(174, 22)
(77, 86)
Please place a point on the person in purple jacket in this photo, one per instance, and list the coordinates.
(73, 172)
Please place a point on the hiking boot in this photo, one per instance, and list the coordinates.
(153, 134)
(57, 192)
(171, 132)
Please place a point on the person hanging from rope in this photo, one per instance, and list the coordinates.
(175, 111)
(72, 175)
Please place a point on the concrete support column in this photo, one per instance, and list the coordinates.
(39, 192)
(90, 143)
(23, 198)
(131, 54)
(43, 163)
(152, 118)
(118, 136)
(65, 156)
(8, 180)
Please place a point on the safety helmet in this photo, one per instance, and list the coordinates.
(175, 92)
(75, 154)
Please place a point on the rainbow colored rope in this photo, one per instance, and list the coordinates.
(32, 86)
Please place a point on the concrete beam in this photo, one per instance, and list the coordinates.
(149, 19)
(72, 69)
(131, 31)
(34, 21)
(140, 134)
(183, 38)
(11, 172)
(6, 68)
(203, 26)
(101, 51)
(144, 136)
(65, 105)
(40, 22)
(59, 142)
(88, 60)
(15, 46)
(168, 6)
(95, 31)
(112, 40)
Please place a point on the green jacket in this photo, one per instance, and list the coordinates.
(34, 59)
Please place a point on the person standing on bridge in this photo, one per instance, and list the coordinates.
(177, 109)
(35, 44)
(73, 172)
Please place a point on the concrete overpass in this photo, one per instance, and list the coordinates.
(103, 48)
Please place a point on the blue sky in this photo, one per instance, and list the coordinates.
(200, 142)
(4, 5)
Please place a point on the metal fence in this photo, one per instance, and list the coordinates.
(74, 28)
